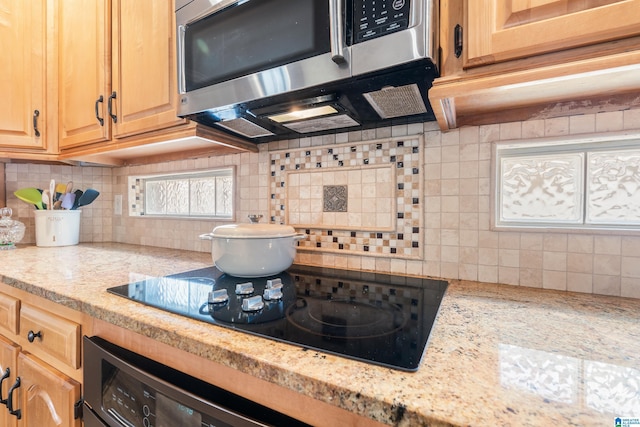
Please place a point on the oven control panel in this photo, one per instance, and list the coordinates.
(376, 18)
(132, 402)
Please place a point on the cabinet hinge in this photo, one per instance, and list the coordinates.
(77, 409)
(457, 40)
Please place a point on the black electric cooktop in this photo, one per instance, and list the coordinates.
(371, 317)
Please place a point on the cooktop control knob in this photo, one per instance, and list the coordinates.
(274, 283)
(218, 296)
(244, 288)
(252, 303)
(272, 294)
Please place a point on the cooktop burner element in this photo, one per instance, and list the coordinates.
(345, 318)
(372, 317)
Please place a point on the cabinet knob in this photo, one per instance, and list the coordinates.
(31, 336)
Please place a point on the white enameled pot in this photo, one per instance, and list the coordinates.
(253, 250)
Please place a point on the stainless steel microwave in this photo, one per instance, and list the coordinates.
(273, 69)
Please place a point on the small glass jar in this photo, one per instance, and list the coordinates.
(11, 232)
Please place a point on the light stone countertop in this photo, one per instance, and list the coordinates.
(498, 355)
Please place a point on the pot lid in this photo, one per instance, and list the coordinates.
(260, 231)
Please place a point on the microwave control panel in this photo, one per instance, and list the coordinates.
(376, 18)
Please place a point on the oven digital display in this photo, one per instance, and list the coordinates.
(170, 413)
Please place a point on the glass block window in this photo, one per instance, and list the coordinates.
(207, 194)
(613, 195)
(573, 184)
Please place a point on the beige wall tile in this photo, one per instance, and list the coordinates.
(458, 241)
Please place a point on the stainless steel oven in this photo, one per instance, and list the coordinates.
(124, 389)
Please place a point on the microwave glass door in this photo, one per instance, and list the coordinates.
(254, 36)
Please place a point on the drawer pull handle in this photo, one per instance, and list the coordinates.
(16, 412)
(6, 375)
(33, 335)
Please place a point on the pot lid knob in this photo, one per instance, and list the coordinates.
(254, 218)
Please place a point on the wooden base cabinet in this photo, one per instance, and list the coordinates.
(36, 346)
(35, 394)
(47, 397)
(8, 373)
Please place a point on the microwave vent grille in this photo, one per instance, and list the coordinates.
(245, 128)
(391, 102)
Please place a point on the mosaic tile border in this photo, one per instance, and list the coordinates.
(405, 153)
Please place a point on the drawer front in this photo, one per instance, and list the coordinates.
(9, 309)
(56, 336)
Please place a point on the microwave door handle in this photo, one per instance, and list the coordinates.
(336, 31)
(182, 86)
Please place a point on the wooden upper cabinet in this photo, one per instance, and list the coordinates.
(117, 70)
(84, 51)
(536, 59)
(144, 66)
(501, 30)
(22, 66)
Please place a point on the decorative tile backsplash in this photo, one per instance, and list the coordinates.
(358, 198)
(455, 239)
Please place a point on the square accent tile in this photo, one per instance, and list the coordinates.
(335, 198)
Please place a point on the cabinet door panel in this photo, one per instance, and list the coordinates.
(9, 308)
(8, 360)
(500, 30)
(47, 397)
(84, 49)
(58, 337)
(22, 43)
(144, 76)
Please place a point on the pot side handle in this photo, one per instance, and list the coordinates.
(299, 236)
(207, 236)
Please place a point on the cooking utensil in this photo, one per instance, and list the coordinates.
(60, 190)
(88, 197)
(52, 192)
(68, 199)
(253, 250)
(78, 194)
(30, 195)
(46, 200)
